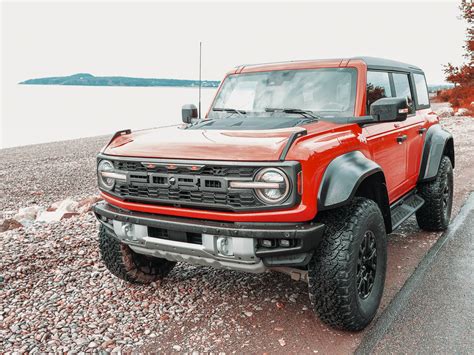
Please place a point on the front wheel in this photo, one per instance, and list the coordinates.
(124, 263)
(347, 272)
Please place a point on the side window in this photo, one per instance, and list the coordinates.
(402, 89)
(421, 90)
(378, 86)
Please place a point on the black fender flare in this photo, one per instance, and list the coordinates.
(342, 177)
(438, 142)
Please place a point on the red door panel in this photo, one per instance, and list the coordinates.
(390, 154)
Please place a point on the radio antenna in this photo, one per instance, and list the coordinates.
(200, 81)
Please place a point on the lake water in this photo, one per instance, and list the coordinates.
(37, 114)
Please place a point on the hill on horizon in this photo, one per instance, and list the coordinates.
(86, 79)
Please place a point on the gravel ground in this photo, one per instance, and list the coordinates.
(45, 173)
(57, 296)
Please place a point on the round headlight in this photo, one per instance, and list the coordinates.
(106, 182)
(275, 195)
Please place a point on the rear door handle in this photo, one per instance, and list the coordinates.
(401, 139)
(422, 130)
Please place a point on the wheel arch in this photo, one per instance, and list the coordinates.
(353, 174)
(374, 188)
(449, 150)
(438, 142)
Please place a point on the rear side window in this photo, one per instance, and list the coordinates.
(421, 90)
(378, 86)
(402, 89)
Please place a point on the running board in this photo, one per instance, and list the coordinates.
(405, 208)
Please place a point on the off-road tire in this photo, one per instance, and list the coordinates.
(124, 263)
(435, 214)
(332, 271)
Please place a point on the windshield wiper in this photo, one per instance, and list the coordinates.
(230, 110)
(304, 113)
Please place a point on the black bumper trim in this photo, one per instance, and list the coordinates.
(309, 234)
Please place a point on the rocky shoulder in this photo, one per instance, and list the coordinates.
(56, 212)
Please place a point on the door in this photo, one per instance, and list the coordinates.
(414, 126)
(387, 141)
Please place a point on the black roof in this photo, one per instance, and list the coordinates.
(382, 63)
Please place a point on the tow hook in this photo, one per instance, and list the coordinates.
(131, 233)
(127, 229)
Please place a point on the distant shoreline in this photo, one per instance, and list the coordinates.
(124, 86)
(85, 79)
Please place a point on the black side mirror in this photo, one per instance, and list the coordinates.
(389, 109)
(189, 112)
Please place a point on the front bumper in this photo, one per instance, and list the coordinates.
(197, 241)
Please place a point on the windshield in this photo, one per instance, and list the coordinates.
(326, 92)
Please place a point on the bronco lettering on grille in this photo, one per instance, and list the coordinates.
(180, 182)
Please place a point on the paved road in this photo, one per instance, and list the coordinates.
(437, 315)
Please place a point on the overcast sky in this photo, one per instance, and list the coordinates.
(162, 39)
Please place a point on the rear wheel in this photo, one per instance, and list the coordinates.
(124, 263)
(435, 214)
(347, 272)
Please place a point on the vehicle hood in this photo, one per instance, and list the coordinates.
(205, 143)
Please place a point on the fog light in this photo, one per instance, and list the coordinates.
(224, 246)
(267, 243)
(284, 243)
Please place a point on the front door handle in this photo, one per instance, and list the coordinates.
(422, 130)
(401, 139)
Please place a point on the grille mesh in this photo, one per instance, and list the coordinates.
(208, 170)
(220, 199)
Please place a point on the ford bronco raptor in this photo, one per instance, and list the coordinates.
(301, 167)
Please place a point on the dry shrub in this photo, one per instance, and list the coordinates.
(459, 97)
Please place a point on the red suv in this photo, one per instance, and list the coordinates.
(299, 167)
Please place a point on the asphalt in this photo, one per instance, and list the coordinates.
(434, 311)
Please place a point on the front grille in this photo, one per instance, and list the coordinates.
(200, 185)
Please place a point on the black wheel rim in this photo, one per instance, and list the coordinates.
(446, 197)
(367, 264)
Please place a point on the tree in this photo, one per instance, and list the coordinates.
(462, 95)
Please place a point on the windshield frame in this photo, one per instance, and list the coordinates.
(355, 70)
